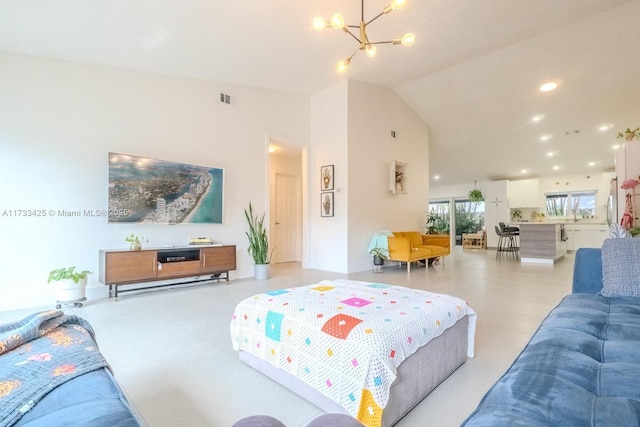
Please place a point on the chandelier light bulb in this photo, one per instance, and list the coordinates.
(398, 4)
(343, 65)
(408, 39)
(364, 43)
(337, 21)
(370, 50)
(319, 23)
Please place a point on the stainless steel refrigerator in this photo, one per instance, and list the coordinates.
(612, 202)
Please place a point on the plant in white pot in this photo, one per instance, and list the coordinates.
(135, 242)
(70, 285)
(630, 134)
(258, 244)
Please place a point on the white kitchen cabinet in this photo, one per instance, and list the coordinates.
(525, 193)
(585, 235)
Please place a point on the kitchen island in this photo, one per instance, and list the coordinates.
(542, 242)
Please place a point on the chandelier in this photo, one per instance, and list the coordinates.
(337, 22)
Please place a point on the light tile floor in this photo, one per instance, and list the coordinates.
(171, 351)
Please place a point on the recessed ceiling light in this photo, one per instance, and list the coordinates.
(591, 163)
(550, 154)
(615, 147)
(556, 167)
(436, 177)
(545, 137)
(523, 171)
(604, 128)
(536, 119)
(546, 87)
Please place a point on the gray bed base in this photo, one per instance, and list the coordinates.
(417, 376)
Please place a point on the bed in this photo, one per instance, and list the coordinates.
(52, 373)
(371, 350)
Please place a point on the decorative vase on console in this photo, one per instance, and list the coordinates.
(135, 242)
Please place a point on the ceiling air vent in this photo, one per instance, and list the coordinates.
(225, 98)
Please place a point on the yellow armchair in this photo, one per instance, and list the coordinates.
(410, 246)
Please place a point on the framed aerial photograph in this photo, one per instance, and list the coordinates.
(326, 204)
(326, 178)
(151, 191)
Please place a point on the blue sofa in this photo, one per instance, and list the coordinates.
(53, 374)
(582, 366)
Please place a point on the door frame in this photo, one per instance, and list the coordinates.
(272, 138)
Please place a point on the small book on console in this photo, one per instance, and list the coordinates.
(202, 241)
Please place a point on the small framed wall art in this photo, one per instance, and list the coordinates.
(326, 178)
(326, 204)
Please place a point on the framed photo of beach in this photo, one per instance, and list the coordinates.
(326, 178)
(151, 191)
(326, 204)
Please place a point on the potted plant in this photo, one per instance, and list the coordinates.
(538, 216)
(70, 284)
(436, 224)
(258, 244)
(630, 134)
(475, 195)
(135, 242)
(516, 214)
(378, 256)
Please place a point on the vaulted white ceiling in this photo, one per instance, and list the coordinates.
(472, 74)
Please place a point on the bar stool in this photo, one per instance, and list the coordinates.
(515, 231)
(506, 242)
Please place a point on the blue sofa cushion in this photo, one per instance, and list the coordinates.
(587, 271)
(582, 367)
(620, 268)
(93, 399)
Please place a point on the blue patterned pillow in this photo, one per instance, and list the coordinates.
(616, 231)
(621, 268)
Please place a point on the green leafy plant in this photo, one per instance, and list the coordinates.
(258, 241)
(475, 195)
(436, 224)
(67, 273)
(379, 252)
(630, 134)
(135, 240)
(516, 214)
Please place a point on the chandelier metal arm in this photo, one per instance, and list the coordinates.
(346, 30)
(364, 44)
(386, 42)
(381, 13)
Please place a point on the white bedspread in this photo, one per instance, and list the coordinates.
(345, 338)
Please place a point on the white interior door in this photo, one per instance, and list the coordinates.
(286, 218)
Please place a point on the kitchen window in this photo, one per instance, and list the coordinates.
(574, 204)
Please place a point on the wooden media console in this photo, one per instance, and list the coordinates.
(126, 267)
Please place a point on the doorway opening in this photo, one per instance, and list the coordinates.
(286, 199)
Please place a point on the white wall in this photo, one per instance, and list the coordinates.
(58, 121)
(374, 112)
(329, 141)
(350, 128)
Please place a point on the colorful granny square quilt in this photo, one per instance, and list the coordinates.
(345, 338)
